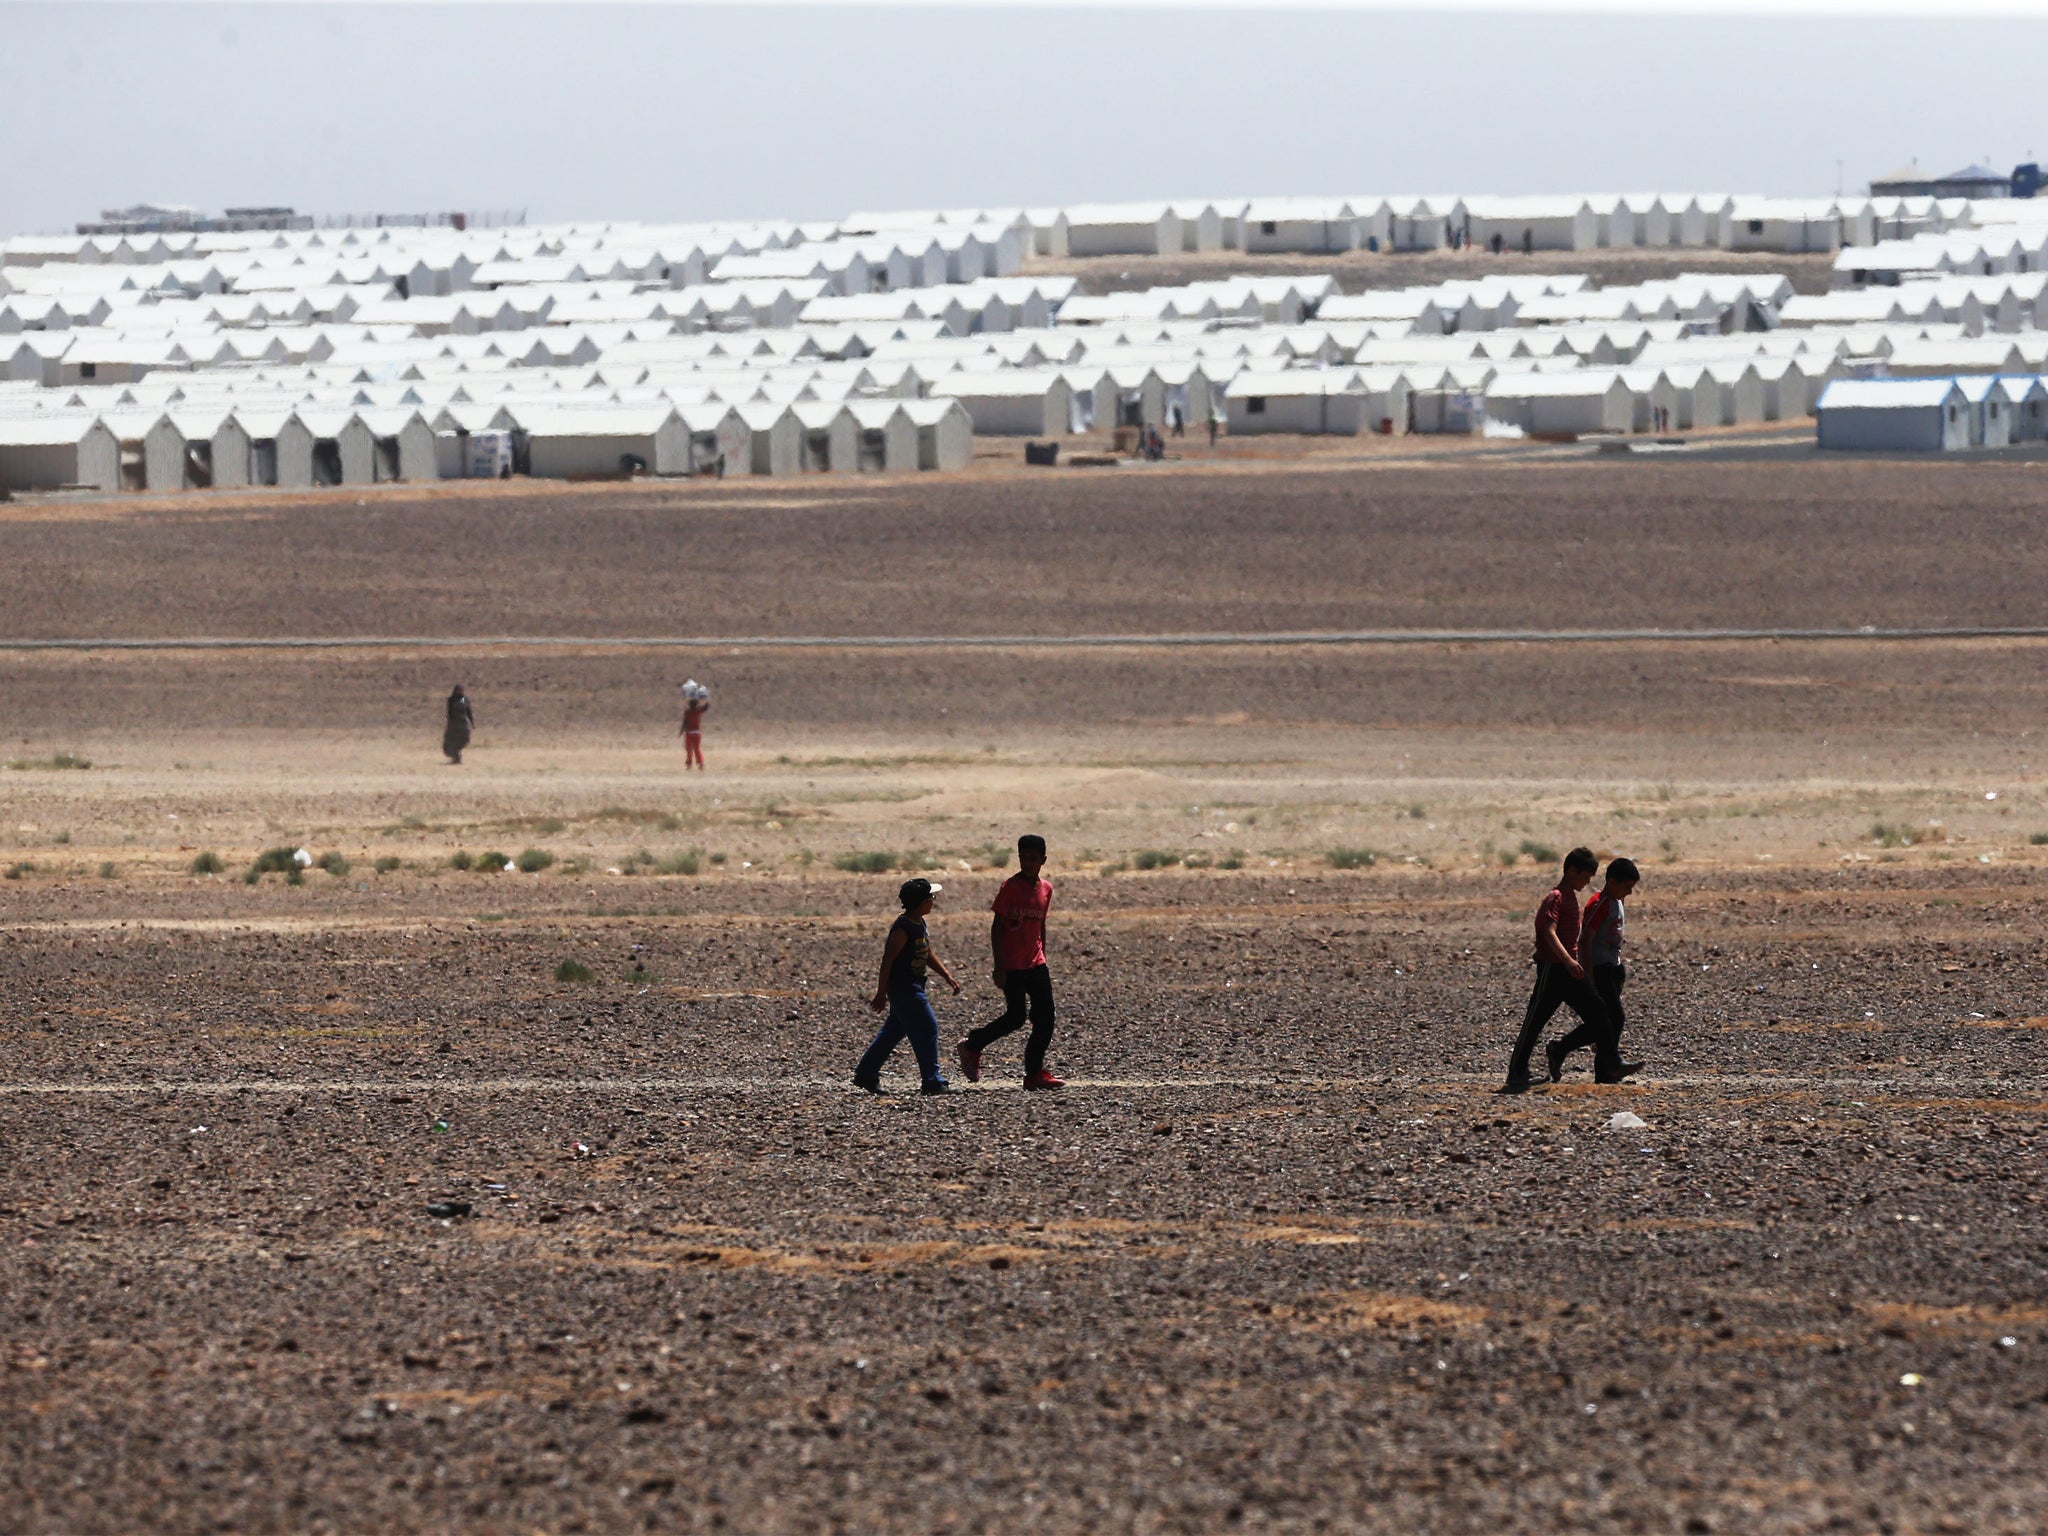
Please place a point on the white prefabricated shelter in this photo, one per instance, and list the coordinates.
(775, 443)
(888, 437)
(1783, 224)
(2029, 398)
(46, 451)
(1123, 229)
(1301, 224)
(1899, 415)
(1203, 226)
(570, 442)
(1742, 391)
(1424, 223)
(1651, 392)
(1014, 403)
(945, 433)
(403, 446)
(720, 442)
(1558, 404)
(1532, 224)
(1313, 401)
(831, 437)
(1990, 410)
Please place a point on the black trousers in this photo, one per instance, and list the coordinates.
(1558, 988)
(1608, 980)
(1025, 992)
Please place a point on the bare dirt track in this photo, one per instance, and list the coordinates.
(1276, 1259)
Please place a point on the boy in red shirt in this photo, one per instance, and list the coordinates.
(1602, 933)
(1017, 937)
(694, 710)
(1561, 979)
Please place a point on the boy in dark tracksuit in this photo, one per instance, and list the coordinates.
(900, 991)
(1016, 939)
(1600, 941)
(1561, 979)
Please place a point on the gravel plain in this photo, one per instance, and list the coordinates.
(327, 1208)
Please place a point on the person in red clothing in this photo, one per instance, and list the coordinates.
(1017, 937)
(695, 705)
(1561, 979)
(1601, 937)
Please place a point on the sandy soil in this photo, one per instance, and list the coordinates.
(1276, 1259)
(1540, 544)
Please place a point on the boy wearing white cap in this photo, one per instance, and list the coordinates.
(900, 991)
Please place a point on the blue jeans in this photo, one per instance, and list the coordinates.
(910, 1017)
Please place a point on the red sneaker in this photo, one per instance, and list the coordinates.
(970, 1061)
(1043, 1079)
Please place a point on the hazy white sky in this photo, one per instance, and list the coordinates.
(686, 112)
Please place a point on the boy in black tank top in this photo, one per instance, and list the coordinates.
(899, 991)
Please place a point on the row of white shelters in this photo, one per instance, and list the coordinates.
(1933, 415)
(205, 447)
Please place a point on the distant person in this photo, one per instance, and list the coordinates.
(695, 706)
(1214, 421)
(1561, 979)
(1499, 244)
(1016, 936)
(1528, 242)
(461, 725)
(900, 993)
(1180, 421)
(1600, 941)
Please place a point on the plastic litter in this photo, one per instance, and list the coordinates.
(1911, 1379)
(447, 1209)
(1622, 1120)
(439, 1128)
(302, 858)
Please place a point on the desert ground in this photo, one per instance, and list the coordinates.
(329, 1208)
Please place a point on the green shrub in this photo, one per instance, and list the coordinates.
(1155, 858)
(107, 870)
(388, 863)
(1509, 858)
(1886, 835)
(573, 970)
(295, 876)
(1418, 810)
(16, 871)
(719, 858)
(872, 863)
(1541, 853)
(55, 760)
(251, 875)
(334, 863)
(1353, 858)
(2039, 839)
(1230, 861)
(681, 864)
(207, 864)
(273, 861)
(532, 861)
(460, 859)
(490, 863)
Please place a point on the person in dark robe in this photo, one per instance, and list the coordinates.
(461, 725)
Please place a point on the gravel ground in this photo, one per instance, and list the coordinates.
(326, 1208)
(1276, 1258)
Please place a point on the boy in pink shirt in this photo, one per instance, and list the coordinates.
(1017, 938)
